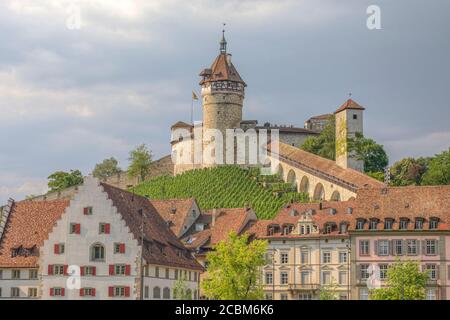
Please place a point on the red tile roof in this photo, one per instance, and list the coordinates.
(28, 225)
(174, 211)
(161, 245)
(324, 168)
(349, 104)
(221, 70)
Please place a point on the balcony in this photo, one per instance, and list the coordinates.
(304, 286)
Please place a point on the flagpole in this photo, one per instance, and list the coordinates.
(192, 110)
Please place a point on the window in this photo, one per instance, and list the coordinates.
(326, 257)
(32, 274)
(383, 271)
(343, 228)
(431, 294)
(57, 292)
(326, 277)
(97, 252)
(432, 271)
(15, 274)
(74, 228)
(121, 291)
(360, 224)
(156, 293)
(176, 274)
(87, 211)
(58, 269)
(373, 224)
(283, 296)
(157, 273)
(59, 248)
(166, 293)
(1, 274)
(305, 277)
(104, 228)
(343, 296)
(284, 257)
(146, 292)
(88, 292)
(403, 224)
(168, 274)
(342, 257)
(284, 277)
(433, 223)
(364, 247)
(412, 247)
(430, 247)
(120, 269)
(398, 247)
(268, 296)
(15, 292)
(419, 224)
(364, 271)
(342, 277)
(305, 296)
(383, 247)
(355, 116)
(119, 248)
(388, 224)
(363, 294)
(304, 257)
(88, 271)
(269, 278)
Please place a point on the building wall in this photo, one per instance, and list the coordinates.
(24, 283)
(316, 267)
(346, 127)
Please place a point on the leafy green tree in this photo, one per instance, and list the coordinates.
(407, 171)
(374, 157)
(107, 168)
(405, 281)
(379, 175)
(438, 172)
(60, 180)
(233, 271)
(329, 291)
(324, 144)
(140, 161)
(180, 290)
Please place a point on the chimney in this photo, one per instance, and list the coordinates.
(214, 213)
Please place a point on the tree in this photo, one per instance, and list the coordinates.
(408, 171)
(233, 271)
(140, 161)
(405, 281)
(180, 290)
(60, 180)
(107, 168)
(438, 172)
(324, 144)
(374, 157)
(329, 291)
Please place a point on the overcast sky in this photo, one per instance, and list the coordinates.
(71, 97)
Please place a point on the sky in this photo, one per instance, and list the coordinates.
(84, 80)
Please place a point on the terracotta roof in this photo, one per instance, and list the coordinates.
(326, 169)
(221, 70)
(405, 202)
(349, 104)
(28, 225)
(175, 211)
(181, 124)
(162, 246)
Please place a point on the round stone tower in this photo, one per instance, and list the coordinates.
(222, 93)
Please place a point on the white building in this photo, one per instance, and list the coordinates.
(98, 234)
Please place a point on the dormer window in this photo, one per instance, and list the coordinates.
(419, 224)
(388, 223)
(434, 223)
(343, 228)
(360, 224)
(403, 224)
(287, 229)
(373, 224)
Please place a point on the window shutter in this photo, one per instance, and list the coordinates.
(111, 291)
(93, 292)
(56, 248)
(82, 290)
(50, 269)
(111, 269)
(63, 292)
(107, 228)
(86, 211)
(127, 270)
(375, 247)
(122, 248)
(424, 249)
(65, 269)
(94, 271)
(52, 292)
(82, 271)
(77, 228)
(127, 291)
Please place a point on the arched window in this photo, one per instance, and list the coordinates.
(304, 185)
(166, 293)
(319, 192)
(292, 179)
(156, 293)
(97, 252)
(336, 196)
(279, 171)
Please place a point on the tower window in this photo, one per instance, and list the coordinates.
(355, 116)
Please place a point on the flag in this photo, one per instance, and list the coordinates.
(194, 96)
